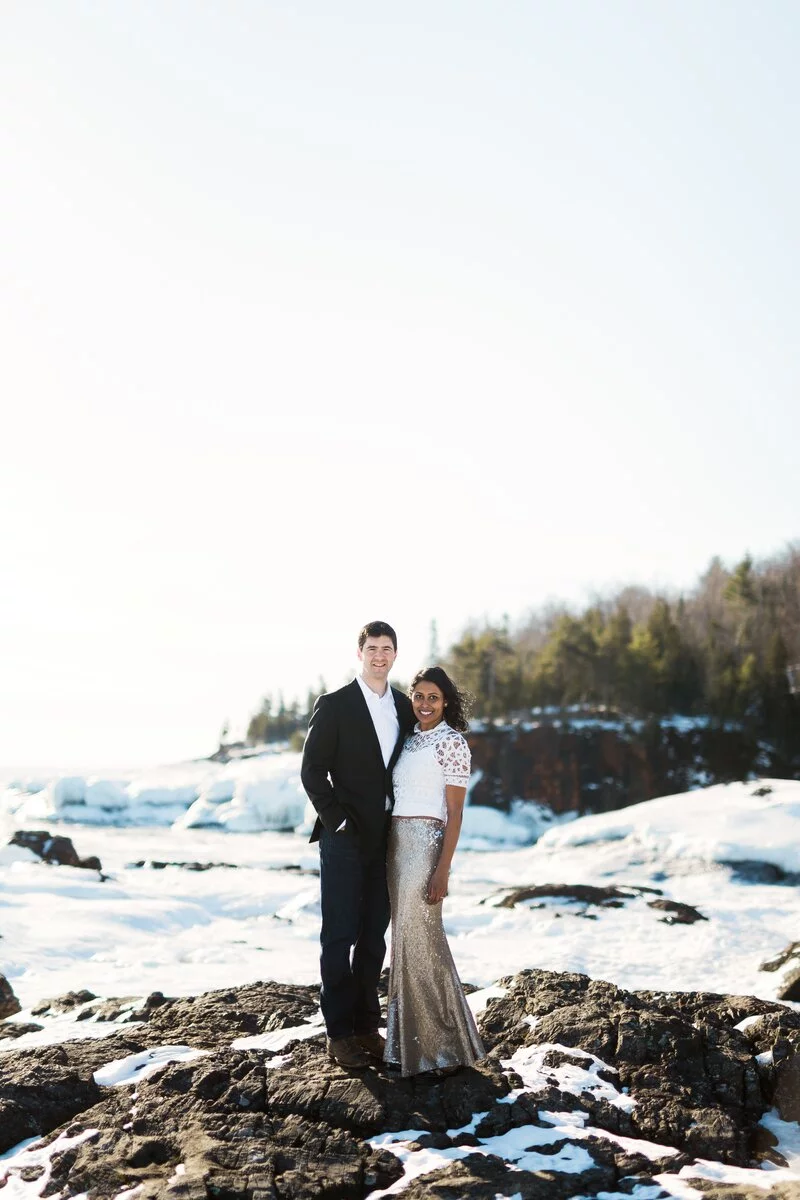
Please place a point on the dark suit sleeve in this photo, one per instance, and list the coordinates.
(319, 756)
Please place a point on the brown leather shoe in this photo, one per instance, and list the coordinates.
(372, 1043)
(346, 1052)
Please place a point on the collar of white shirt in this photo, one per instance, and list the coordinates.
(373, 697)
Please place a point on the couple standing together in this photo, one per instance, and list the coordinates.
(387, 775)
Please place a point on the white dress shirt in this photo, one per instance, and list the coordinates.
(383, 711)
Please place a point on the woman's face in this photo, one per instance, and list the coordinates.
(427, 700)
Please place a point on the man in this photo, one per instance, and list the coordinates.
(354, 738)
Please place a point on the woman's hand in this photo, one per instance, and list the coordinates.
(437, 888)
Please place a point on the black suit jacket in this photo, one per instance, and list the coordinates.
(343, 771)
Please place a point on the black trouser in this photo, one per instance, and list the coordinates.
(355, 916)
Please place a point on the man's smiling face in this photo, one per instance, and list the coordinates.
(377, 657)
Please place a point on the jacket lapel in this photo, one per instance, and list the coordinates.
(361, 709)
(404, 724)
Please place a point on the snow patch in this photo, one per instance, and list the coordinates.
(135, 1067)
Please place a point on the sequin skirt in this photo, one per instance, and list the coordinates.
(429, 1024)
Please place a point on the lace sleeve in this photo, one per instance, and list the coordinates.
(454, 757)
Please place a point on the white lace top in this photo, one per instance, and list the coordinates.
(428, 762)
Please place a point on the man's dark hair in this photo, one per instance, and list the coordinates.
(377, 629)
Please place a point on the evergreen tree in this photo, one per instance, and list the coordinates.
(722, 649)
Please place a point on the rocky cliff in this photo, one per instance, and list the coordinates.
(584, 765)
(587, 1090)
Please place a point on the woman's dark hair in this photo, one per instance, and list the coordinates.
(456, 713)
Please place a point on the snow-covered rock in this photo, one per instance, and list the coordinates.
(735, 822)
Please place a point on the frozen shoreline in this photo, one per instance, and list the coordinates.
(180, 931)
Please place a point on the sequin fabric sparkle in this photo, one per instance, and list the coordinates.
(429, 1024)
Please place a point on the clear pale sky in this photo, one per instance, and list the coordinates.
(314, 313)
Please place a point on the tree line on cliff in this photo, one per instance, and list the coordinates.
(723, 650)
(277, 721)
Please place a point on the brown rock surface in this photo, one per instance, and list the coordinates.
(588, 894)
(695, 1081)
(54, 849)
(254, 1124)
(11, 1030)
(9, 1004)
(62, 1004)
(594, 768)
(742, 1191)
(786, 1094)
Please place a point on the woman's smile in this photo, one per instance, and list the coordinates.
(428, 704)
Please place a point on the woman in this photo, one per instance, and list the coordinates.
(429, 1025)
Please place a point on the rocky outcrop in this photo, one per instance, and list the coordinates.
(694, 1078)
(741, 1191)
(62, 1004)
(214, 1019)
(587, 894)
(157, 864)
(677, 913)
(11, 1030)
(669, 1069)
(54, 849)
(42, 1089)
(750, 870)
(790, 959)
(598, 766)
(9, 1004)
(590, 896)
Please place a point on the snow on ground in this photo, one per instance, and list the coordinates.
(243, 795)
(135, 1067)
(527, 1146)
(254, 794)
(32, 1155)
(138, 928)
(728, 822)
(141, 929)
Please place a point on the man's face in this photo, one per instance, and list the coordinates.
(377, 656)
